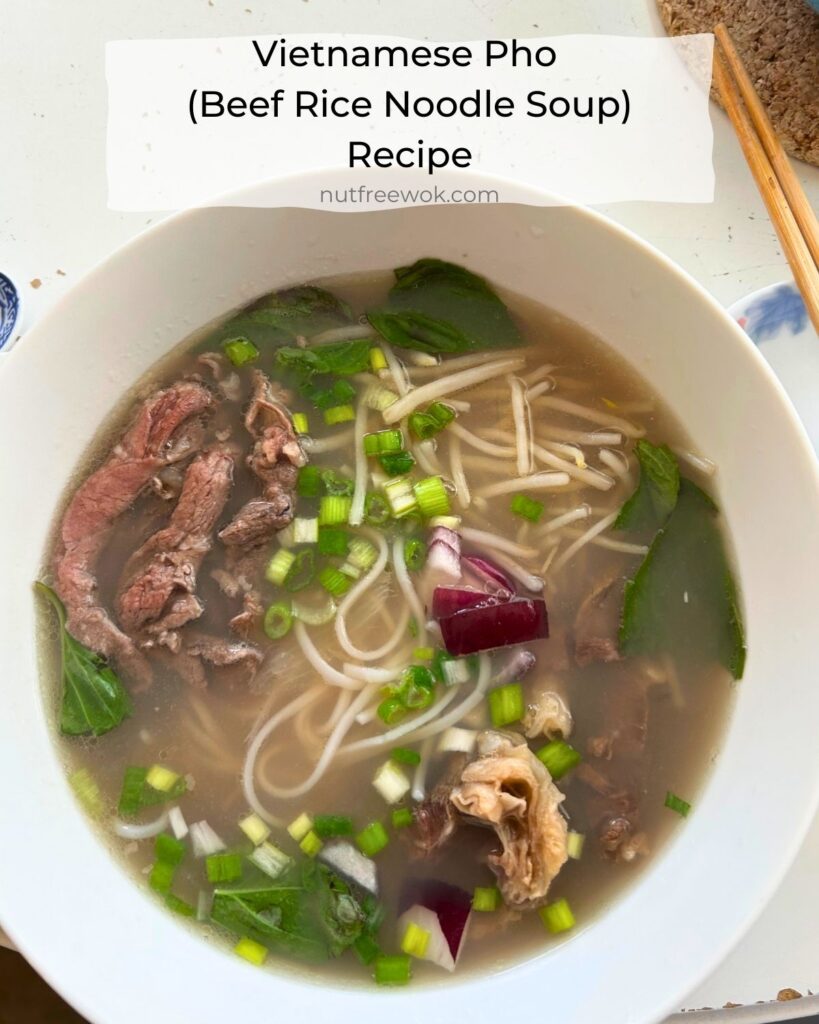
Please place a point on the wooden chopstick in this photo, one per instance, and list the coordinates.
(805, 217)
(794, 242)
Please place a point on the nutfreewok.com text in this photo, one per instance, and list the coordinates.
(364, 195)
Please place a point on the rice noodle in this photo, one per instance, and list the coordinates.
(581, 512)
(496, 543)
(546, 481)
(697, 461)
(521, 420)
(132, 830)
(351, 332)
(361, 467)
(456, 466)
(324, 668)
(419, 776)
(344, 700)
(402, 577)
(327, 444)
(583, 412)
(367, 674)
(584, 538)
(465, 362)
(530, 581)
(446, 385)
(397, 371)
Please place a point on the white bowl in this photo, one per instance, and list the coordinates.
(71, 908)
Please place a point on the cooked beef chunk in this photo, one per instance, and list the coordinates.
(249, 617)
(257, 521)
(597, 623)
(435, 820)
(156, 437)
(157, 594)
(509, 789)
(233, 660)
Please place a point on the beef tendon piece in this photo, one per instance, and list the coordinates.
(158, 436)
(509, 789)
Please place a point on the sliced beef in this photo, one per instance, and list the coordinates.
(157, 595)
(231, 660)
(257, 521)
(249, 617)
(435, 821)
(597, 623)
(156, 437)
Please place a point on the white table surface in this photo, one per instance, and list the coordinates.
(54, 225)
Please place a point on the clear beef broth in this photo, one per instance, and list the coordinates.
(204, 733)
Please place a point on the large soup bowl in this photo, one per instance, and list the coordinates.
(96, 935)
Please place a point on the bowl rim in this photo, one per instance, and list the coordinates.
(85, 1001)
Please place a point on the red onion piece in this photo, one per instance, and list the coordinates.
(451, 905)
(484, 627)
(489, 573)
(448, 600)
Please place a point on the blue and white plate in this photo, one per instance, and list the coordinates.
(9, 311)
(776, 320)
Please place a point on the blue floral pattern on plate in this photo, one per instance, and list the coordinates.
(9, 309)
(776, 320)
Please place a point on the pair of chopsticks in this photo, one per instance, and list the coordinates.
(795, 222)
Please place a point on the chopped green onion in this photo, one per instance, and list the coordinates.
(161, 877)
(301, 572)
(506, 704)
(240, 351)
(486, 898)
(450, 522)
(327, 825)
(391, 710)
(299, 828)
(402, 817)
(400, 496)
(334, 510)
(397, 463)
(333, 541)
(161, 778)
(376, 510)
(392, 970)
(456, 671)
(254, 828)
(308, 484)
(559, 757)
(300, 423)
(432, 497)
(391, 782)
(179, 906)
(333, 581)
(338, 414)
(312, 616)
(87, 791)
(310, 845)
(442, 414)
(340, 393)
(526, 507)
(279, 566)
(277, 620)
(378, 398)
(378, 361)
(417, 688)
(403, 755)
(223, 867)
(367, 949)
(252, 951)
(372, 839)
(383, 442)
(269, 859)
(676, 803)
(305, 531)
(362, 554)
(169, 850)
(133, 783)
(336, 483)
(415, 941)
(427, 424)
(557, 916)
(574, 845)
(423, 653)
(415, 554)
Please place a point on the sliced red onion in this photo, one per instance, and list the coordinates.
(484, 627)
(515, 667)
(450, 537)
(443, 560)
(489, 574)
(442, 910)
(448, 600)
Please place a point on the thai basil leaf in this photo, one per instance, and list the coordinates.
(439, 307)
(656, 495)
(281, 318)
(343, 358)
(682, 600)
(94, 700)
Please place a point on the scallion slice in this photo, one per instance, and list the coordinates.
(311, 615)
(383, 442)
(403, 755)
(338, 414)
(486, 899)
(506, 704)
(254, 828)
(392, 970)
(574, 845)
(378, 361)
(333, 541)
(402, 817)
(252, 951)
(559, 757)
(415, 940)
(277, 620)
(299, 828)
(279, 566)
(240, 351)
(376, 510)
(415, 554)
(300, 423)
(372, 839)
(301, 571)
(366, 948)
(161, 778)
(378, 398)
(269, 859)
(308, 484)
(305, 531)
(676, 803)
(557, 916)
(179, 906)
(327, 825)
(223, 867)
(336, 483)
(310, 845)
(527, 508)
(334, 509)
(333, 581)
(397, 463)
(391, 710)
(432, 497)
(87, 791)
(391, 782)
(401, 496)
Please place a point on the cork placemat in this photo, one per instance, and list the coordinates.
(779, 43)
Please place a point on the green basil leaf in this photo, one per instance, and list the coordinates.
(343, 358)
(656, 495)
(284, 316)
(682, 600)
(94, 700)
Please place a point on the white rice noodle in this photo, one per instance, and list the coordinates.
(496, 543)
(354, 594)
(464, 362)
(316, 446)
(583, 412)
(368, 714)
(419, 776)
(402, 578)
(387, 739)
(521, 415)
(367, 674)
(447, 385)
(583, 539)
(456, 466)
(132, 830)
(361, 466)
(397, 371)
(530, 581)
(352, 332)
(547, 481)
(345, 698)
(581, 512)
(697, 461)
(324, 668)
